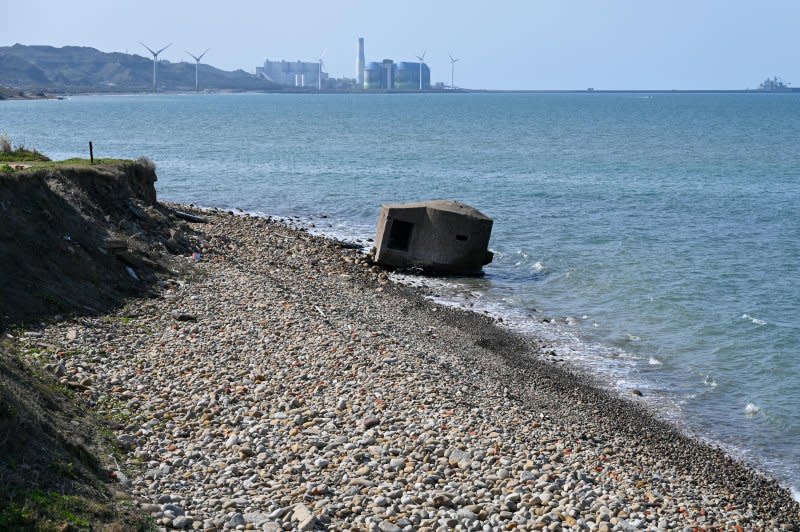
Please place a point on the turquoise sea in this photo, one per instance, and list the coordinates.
(659, 234)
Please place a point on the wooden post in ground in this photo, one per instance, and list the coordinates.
(91, 153)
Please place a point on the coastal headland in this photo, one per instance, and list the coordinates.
(244, 374)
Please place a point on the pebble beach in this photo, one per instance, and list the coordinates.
(287, 383)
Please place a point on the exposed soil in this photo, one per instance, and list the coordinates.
(80, 239)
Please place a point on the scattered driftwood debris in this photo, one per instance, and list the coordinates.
(189, 217)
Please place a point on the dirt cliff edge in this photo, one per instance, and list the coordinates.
(80, 238)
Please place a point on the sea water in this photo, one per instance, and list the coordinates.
(653, 240)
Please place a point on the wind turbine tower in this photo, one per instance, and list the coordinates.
(421, 62)
(453, 62)
(197, 59)
(155, 60)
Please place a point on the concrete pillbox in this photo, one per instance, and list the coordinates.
(438, 236)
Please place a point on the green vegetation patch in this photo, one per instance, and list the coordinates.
(35, 159)
(19, 154)
(50, 511)
(50, 475)
(38, 510)
(76, 161)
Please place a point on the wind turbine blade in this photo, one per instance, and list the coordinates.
(192, 55)
(204, 53)
(148, 48)
(167, 46)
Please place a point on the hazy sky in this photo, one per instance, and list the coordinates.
(558, 44)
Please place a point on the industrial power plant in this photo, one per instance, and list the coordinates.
(387, 74)
(375, 75)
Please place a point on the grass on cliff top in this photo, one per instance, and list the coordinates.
(10, 167)
(11, 157)
(73, 163)
(19, 154)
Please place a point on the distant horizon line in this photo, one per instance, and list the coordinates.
(786, 89)
(427, 91)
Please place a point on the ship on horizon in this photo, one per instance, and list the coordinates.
(775, 84)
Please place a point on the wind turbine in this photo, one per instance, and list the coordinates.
(453, 62)
(421, 62)
(155, 60)
(197, 59)
(319, 72)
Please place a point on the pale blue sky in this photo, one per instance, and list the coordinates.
(565, 44)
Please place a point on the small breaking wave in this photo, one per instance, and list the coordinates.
(653, 361)
(755, 321)
(751, 409)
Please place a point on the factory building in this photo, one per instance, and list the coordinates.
(390, 75)
(406, 77)
(399, 76)
(373, 76)
(383, 75)
(293, 74)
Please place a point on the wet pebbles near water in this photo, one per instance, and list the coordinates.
(288, 385)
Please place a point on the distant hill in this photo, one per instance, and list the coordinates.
(82, 69)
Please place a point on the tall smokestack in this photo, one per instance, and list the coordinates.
(360, 63)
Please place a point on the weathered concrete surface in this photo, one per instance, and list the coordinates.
(440, 236)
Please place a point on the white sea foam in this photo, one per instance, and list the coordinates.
(653, 361)
(751, 409)
(537, 266)
(756, 321)
(795, 493)
(633, 338)
(709, 381)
